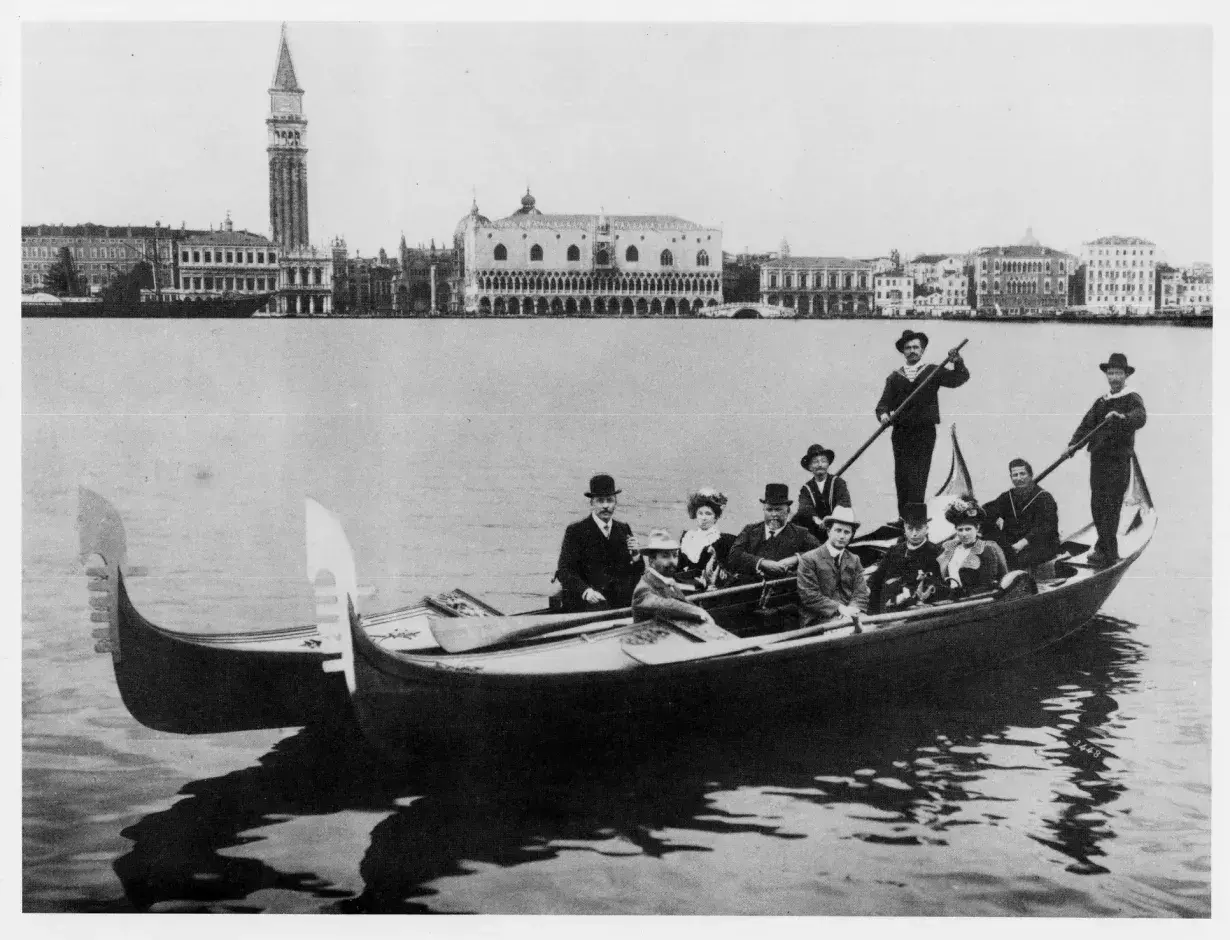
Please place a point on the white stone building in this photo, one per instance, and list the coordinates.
(1120, 275)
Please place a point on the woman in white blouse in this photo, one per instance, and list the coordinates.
(702, 551)
(970, 563)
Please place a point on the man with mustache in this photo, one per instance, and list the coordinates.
(1024, 520)
(914, 429)
(657, 595)
(600, 559)
(1110, 455)
(770, 549)
(909, 572)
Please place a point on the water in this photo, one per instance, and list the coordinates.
(455, 453)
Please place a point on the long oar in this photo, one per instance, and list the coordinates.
(896, 413)
(463, 634)
(1074, 448)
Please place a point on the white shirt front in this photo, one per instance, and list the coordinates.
(604, 526)
(1119, 394)
(954, 566)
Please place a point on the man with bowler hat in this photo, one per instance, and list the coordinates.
(914, 429)
(770, 549)
(909, 573)
(1110, 454)
(600, 560)
(822, 493)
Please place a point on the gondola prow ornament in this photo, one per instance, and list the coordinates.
(330, 569)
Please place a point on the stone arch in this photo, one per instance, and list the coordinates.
(668, 308)
(655, 308)
(697, 305)
(501, 308)
(642, 308)
(501, 253)
(626, 309)
(570, 307)
(712, 303)
(702, 259)
(557, 307)
(746, 313)
(541, 308)
(484, 305)
(666, 259)
(632, 254)
(584, 309)
(574, 253)
(536, 252)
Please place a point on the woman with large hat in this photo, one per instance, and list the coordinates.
(703, 550)
(823, 493)
(969, 562)
(1110, 454)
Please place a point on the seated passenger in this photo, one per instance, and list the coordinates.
(909, 573)
(703, 550)
(831, 581)
(1024, 521)
(770, 549)
(822, 493)
(599, 560)
(970, 563)
(657, 595)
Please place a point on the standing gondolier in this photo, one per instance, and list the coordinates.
(1110, 454)
(914, 428)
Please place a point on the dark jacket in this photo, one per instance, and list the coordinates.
(983, 567)
(588, 559)
(900, 568)
(750, 547)
(1035, 518)
(653, 597)
(823, 584)
(817, 502)
(1117, 439)
(925, 409)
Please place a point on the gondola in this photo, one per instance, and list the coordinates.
(392, 673)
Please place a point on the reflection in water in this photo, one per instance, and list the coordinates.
(929, 757)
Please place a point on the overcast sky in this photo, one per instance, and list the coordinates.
(845, 140)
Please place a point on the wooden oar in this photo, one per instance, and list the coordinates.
(1074, 448)
(463, 634)
(896, 413)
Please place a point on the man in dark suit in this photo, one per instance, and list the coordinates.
(600, 559)
(1110, 455)
(909, 572)
(914, 428)
(831, 579)
(770, 549)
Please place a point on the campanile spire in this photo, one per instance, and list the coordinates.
(287, 149)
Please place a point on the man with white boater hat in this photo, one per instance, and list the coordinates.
(831, 579)
(657, 595)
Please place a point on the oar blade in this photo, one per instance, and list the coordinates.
(465, 634)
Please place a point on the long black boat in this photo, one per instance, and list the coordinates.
(225, 307)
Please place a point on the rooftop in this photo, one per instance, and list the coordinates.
(589, 221)
(1022, 251)
(801, 261)
(284, 71)
(93, 230)
(929, 259)
(1120, 240)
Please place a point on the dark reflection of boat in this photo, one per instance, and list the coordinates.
(660, 791)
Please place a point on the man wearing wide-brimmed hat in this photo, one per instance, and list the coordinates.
(656, 594)
(914, 428)
(1110, 454)
(819, 495)
(599, 561)
(909, 572)
(831, 579)
(770, 549)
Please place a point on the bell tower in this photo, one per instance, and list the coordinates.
(287, 132)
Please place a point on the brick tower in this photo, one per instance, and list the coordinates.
(288, 191)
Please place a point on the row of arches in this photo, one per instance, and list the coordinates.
(822, 304)
(1024, 287)
(599, 306)
(1027, 267)
(500, 282)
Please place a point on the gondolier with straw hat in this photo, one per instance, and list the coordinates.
(914, 425)
(1110, 454)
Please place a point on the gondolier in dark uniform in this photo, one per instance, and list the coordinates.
(914, 429)
(820, 495)
(599, 560)
(1110, 454)
(1025, 522)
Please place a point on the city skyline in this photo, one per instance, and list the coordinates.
(927, 139)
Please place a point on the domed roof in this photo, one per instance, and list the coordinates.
(473, 217)
(1030, 238)
(527, 205)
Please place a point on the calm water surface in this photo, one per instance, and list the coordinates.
(455, 453)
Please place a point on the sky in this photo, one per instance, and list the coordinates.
(845, 140)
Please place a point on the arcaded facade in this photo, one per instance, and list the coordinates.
(542, 264)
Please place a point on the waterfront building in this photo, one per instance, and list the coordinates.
(818, 286)
(305, 277)
(212, 263)
(100, 252)
(1183, 290)
(1026, 279)
(1120, 275)
(741, 276)
(545, 264)
(363, 285)
(428, 283)
(894, 292)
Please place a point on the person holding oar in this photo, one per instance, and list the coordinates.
(910, 402)
(1109, 428)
